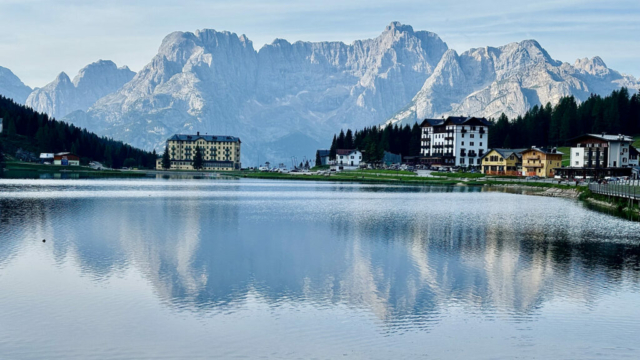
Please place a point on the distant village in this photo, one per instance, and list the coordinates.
(451, 144)
(461, 144)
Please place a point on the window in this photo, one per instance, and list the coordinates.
(471, 136)
(479, 161)
(461, 160)
(480, 143)
(471, 143)
(463, 143)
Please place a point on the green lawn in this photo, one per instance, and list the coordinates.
(34, 167)
(381, 171)
(636, 141)
(566, 155)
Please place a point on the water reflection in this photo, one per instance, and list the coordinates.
(401, 254)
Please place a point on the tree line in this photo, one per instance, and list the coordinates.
(373, 141)
(616, 113)
(22, 126)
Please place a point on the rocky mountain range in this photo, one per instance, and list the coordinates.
(288, 99)
(63, 96)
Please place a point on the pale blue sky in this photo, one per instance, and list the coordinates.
(40, 38)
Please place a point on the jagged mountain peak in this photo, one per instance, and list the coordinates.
(594, 66)
(288, 98)
(12, 87)
(62, 78)
(63, 96)
(398, 26)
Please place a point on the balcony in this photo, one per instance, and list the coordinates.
(449, 138)
(482, 131)
(464, 131)
(535, 165)
(472, 154)
(537, 157)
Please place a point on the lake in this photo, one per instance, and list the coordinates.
(237, 268)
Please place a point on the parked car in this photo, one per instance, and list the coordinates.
(533, 177)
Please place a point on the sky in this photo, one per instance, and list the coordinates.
(41, 38)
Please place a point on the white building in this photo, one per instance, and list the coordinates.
(347, 159)
(602, 151)
(47, 158)
(455, 141)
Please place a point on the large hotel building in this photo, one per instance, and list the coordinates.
(455, 141)
(220, 153)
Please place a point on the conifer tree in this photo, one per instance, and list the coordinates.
(348, 140)
(166, 160)
(341, 138)
(334, 146)
(197, 159)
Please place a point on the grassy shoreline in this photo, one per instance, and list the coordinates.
(17, 166)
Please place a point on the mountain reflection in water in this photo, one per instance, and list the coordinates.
(408, 256)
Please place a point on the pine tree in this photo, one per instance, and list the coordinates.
(334, 146)
(341, 138)
(415, 142)
(318, 160)
(348, 140)
(166, 160)
(197, 159)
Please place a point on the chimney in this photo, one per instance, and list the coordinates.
(198, 133)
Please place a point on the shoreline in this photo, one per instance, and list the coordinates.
(545, 189)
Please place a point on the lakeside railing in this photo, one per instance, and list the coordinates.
(626, 189)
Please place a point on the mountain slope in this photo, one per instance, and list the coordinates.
(63, 96)
(12, 87)
(281, 101)
(287, 99)
(510, 79)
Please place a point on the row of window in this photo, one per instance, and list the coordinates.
(462, 161)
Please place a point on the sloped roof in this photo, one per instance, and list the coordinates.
(345, 151)
(220, 138)
(461, 120)
(506, 152)
(604, 137)
(322, 153)
(455, 120)
(431, 122)
(543, 150)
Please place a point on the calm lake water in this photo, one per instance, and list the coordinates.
(194, 269)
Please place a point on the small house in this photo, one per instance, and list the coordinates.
(323, 156)
(541, 162)
(46, 158)
(66, 159)
(502, 162)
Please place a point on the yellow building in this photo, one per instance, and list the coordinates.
(540, 162)
(220, 153)
(502, 162)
